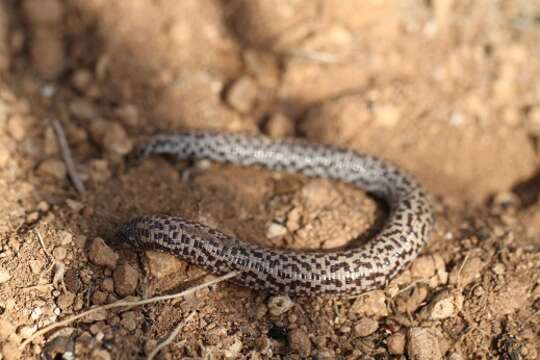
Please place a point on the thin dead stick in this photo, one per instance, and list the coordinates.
(40, 239)
(39, 287)
(123, 303)
(317, 56)
(413, 284)
(66, 154)
(461, 268)
(171, 337)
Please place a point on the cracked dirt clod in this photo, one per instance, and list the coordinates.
(161, 265)
(126, 279)
(242, 94)
(101, 254)
(280, 304)
(53, 168)
(366, 326)
(444, 305)
(423, 345)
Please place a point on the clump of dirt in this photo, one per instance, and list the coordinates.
(445, 89)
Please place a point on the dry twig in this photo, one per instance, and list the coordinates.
(171, 337)
(66, 154)
(40, 239)
(124, 303)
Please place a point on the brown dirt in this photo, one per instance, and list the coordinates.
(448, 90)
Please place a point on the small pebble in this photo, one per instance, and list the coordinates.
(35, 266)
(279, 125)
(423, 344)
(293, 318)
(299, 342)
(116, 140)
(161, 265)
(498, 269)
(107, 285)
(260, 311)
(99, 170)
(18, 127)
(370, 304)
(275, 230)
(43, 206)
(10, 304)
(98, 129)
(59, 253)
(65, 237)
(83, 109)
(53, 168)
(26, 331)
(36, 313)
(65, 300)
(32, 217)
(81, 79)
(423, 267)
(242, 95)
(77, 135)
(100, 336)
(72, 280)
(410, 301)
(466, 271)
(387, 115)
(456, 118)
(4, 276)
(149, 345)
(48, 91)
(101, 254)
(479, 291)
(126, 279)
(396, 344)
(264, 66)
(233, 351)
(74, 205)
(95, 329)
(50, 142)
(280, 304)
(129, 320)
(80, 241)
(366, 326)
(98, 297)
(129, 114)
(444, 305)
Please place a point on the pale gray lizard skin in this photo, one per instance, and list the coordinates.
(368, 266)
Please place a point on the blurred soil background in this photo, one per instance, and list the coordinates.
(447, 89)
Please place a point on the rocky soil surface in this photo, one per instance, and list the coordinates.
(447, 89)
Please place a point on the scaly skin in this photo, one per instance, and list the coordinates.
(352, 271)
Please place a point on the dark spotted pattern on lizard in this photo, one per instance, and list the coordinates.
(366, 267)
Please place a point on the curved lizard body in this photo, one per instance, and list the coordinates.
(350, 271)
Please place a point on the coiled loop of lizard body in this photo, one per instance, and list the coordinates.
(350, 271)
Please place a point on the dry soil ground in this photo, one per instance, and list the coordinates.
(447, 89)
